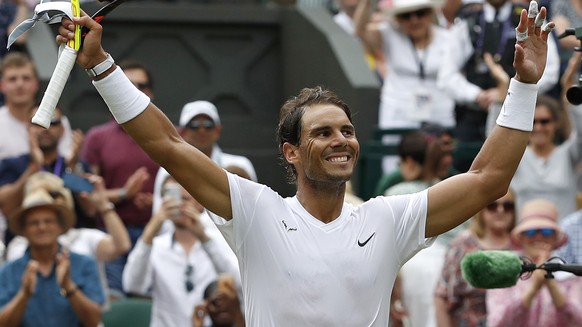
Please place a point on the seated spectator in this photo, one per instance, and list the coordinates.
(221, 304)
(537, 300)
(457, 303)
(91, 242)
(48, 286)
(175, 268)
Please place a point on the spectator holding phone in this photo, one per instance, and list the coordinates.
(175, 268)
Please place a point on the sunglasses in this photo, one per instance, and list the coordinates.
(507, 206)
(143, 86)
(420, 13)
(189, 284)
(543, 121)
(55, 121)
(196, 124)
(542, 231)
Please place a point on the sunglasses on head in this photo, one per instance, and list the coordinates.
(542, 231)
(543, 121)
(507, 206)
(196, 124)
(189, 283)
(420, 13)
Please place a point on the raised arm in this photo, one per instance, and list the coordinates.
(149, 127)
(456, 199)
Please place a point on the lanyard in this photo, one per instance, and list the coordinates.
(506, 31)
(58, 166)
(420, 61)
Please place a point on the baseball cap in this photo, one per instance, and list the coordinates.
(193, 109)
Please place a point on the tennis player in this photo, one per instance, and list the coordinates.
(311, 259)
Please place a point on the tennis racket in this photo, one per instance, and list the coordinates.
(65, 63)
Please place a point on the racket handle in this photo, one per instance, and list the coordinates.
(55, 87)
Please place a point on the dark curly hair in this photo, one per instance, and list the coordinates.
(289, 127)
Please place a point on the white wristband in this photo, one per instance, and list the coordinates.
(124, 100)
(519, 106)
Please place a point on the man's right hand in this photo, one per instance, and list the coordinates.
(29, 278)
(91, 52)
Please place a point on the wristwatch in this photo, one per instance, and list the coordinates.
(108, 207)
(67, 294)
(101, 67)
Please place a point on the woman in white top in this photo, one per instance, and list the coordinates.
(413, 47)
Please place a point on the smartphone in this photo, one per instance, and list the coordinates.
(174, 191)
(77, 184)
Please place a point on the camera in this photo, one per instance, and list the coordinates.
(574, 93)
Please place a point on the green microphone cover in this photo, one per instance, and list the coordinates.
(491, 269)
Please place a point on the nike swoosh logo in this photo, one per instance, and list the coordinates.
(362, 244)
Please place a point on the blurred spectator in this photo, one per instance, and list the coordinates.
(414, 48)
(12, 13)
(48, 286)
(44, 156)
(566, 14)
(537, 300)
(91, 242)
(221, 304)
(345, 19)
(200, 126)
(175, 268)
(465, 75)
(547, 168)
(438, 159)
(456, 302)
(412, 151)
(19, 84)
(127, 171)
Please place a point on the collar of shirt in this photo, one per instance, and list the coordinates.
(504, 11)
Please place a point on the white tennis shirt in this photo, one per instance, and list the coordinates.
(298, 271)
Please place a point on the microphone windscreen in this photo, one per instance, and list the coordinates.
(491, 269)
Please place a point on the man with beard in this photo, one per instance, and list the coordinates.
(43, 156)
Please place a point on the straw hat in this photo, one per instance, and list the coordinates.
(51, 183)
(403, 6)
(41, 198)
(537, 214)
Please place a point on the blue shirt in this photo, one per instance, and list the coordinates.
(572, 226)
(46, 307)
